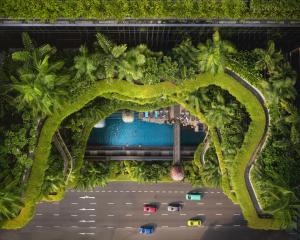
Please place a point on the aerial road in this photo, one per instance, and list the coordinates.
(115, 212)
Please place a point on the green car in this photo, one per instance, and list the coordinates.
(193, 196)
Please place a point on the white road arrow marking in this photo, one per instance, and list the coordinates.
(85, 197)
(87, 221)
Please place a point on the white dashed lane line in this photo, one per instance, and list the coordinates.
(56, 214)
(74, 215)
(92, 215)
(128, 215)
(38, 226)
(39, 214)
(74, 203)
(219, 214)
(219, 203)
(182, 214)
(110, 215)
(128, 203)
(111, 203)
(164, 214)
(237, 214)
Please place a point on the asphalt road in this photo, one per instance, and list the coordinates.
(116, 211)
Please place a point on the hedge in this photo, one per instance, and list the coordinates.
(120, 9)
(165, 89)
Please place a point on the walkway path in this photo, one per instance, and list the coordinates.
(259, 146)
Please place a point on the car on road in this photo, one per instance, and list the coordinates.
(174, 207)
(195, 196)
(150, 208)
(147, 230)
(194, 222)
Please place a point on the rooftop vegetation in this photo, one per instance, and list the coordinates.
(43, 91)
(120, 9)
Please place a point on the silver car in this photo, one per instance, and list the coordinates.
(174, 208)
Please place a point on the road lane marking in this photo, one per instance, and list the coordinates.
(200, 203)
(205, 192)
(175, 191)
(110, 215)
(74, 215)
(145, 191)
(182, 214)
(219, 225)
(55, 203)
(103, 191)
(121, 191)
(139, 191)
(212, 192)
(127, 191)
(219, 214)
(97, 191)
(110, 227)
(200, 214)
(219, 203)
(56, 226)
(164, 226)
(109, 191)
(87, 221)
(110, 203)
(87, 209)
(115, 191)
(133, 191)
(87, 233)
(164, 214)
(157, 191)
(92, 215)
(39, 226)
(56, 214)
(164, 203)
(235, 203)
(163, 191)
(39, 214)
(128, 215)
(74, 203)
(146, 214)
(237, 225)
(128, 203)
(74, 226)
(128, 227)
(151, 191)
(218, 192)
(86, 197)
(237, 214)
(93, 203)
(182, 226)
(92, 227)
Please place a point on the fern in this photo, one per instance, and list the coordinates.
(105, 44)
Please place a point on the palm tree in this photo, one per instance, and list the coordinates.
(119, 63)
(283, 81)
(10, 205)
(213, 55)
(269, 59)
(38, 82)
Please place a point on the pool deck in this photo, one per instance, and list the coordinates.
(176, 146)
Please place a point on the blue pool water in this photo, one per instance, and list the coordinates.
(116, 133)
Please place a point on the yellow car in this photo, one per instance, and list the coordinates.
(194, 223)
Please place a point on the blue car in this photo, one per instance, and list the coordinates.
(146, 230)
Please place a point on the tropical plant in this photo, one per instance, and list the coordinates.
(93, 175)
(10, 205)
(52, 184)
(268, 59)
(39, 83)
(283, 81)
(213, 55)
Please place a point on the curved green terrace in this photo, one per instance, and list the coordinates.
(174, 93)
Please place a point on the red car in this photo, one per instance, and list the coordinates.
(150, 208)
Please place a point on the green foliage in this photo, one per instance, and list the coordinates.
(120, 9)
(94, 175)
(212, 56)
(38, 82)
(10, 205)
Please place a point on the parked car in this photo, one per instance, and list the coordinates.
(195, 196)
(150, 208)
(147, 230)
(174, 207)
(194, 222)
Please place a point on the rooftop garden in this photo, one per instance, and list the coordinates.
(120, 9)
(44, 91)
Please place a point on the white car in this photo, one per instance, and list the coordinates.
(174, 208)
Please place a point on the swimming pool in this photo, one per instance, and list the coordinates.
(116, 133)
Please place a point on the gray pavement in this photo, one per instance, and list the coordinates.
(116, 211)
